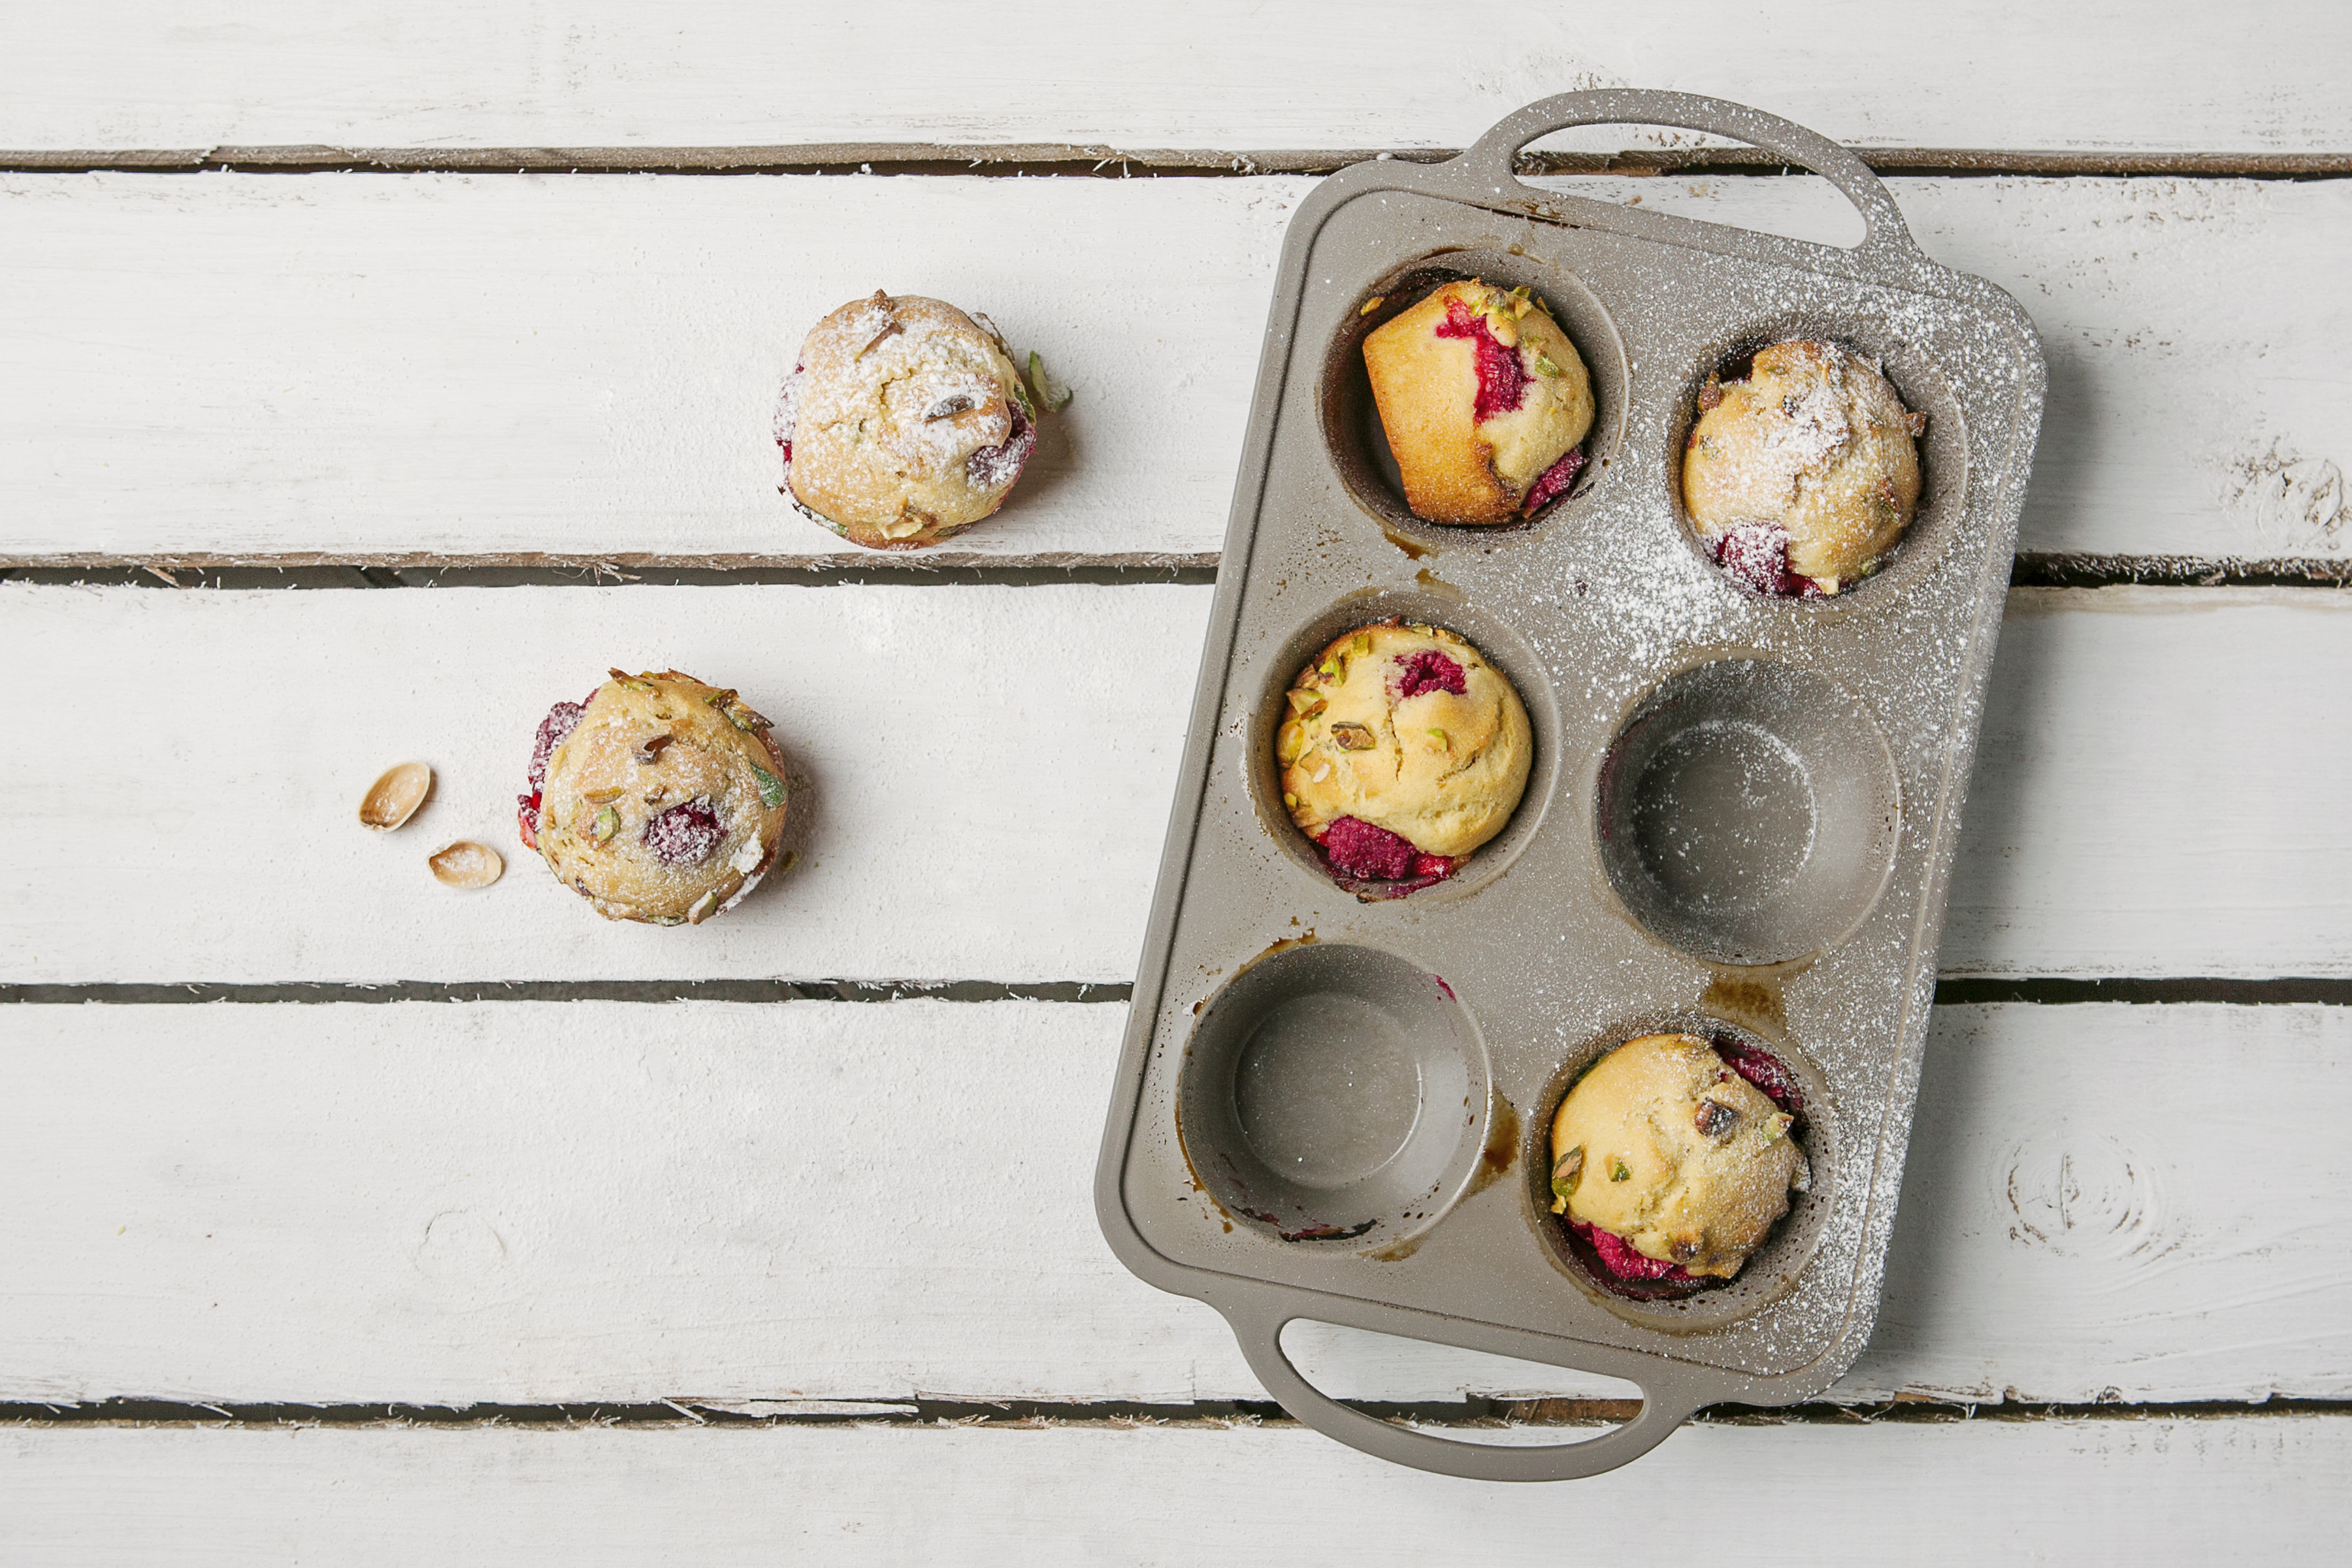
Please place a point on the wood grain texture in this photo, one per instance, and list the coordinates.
(372, 366)
(990, 778)
(2223, 1490)
(531, 1203)
(1227, 75)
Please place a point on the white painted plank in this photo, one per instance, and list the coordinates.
(992, 773)
(2221, 1489)
(527, 1203)
(585, 365)
(1226, 74)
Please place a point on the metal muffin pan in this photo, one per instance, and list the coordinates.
(1740, 818)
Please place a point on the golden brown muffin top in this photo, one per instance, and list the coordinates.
(1815, 441)
(1424, 365)
(665, 802)
(1666, 1148)
(907, 420)
(1441, 769)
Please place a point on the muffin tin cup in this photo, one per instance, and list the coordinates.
(1334, 1102)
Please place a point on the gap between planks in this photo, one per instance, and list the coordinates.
(1037, 159)
(1473, 1414)
(2030, 570)
(1953, 992)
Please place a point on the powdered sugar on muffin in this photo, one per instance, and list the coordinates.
(904, 422)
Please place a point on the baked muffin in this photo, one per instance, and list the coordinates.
(1802, 476)
(904, 422)
(1484, 401)
(1672, 1157)
(1403, 752)
(657, 799)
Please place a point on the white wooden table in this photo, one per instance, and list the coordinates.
(342, 421)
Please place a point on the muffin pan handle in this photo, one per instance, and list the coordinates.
(1260, 1333)
(1887, 236)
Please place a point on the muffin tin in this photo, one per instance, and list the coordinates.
(1740, 821)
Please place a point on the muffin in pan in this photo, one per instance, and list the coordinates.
(1673, 1158)
(1484, 401)
(658, 799)
(904, 422)
(1402, 750)
(1801, 476)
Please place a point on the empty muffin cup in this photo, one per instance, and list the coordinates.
(1747, 811)
(1332, 1092)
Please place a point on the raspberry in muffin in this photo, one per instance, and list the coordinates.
(904, 422)
(657, 799)
(1484, 401)
(1801, 476)
(1673, 1157)
(1401, 751)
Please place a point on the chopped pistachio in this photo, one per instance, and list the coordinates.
(1618, 1172)
(1360, 644)
(1442, 744)
(772, 788)
(743, 719)
(720, 699)
(1541, 365)
(1567, 1174)
(1353, 737)
(668, 920)
(1289, 800)
(632, 682)
(1306, 704)
(608, 823)
(703, 908)
(601, 797)
(1331, 669)
(1374, 303)
(1713, 1118)
(1777, 1127)
(650, 750)
(1519, 301)
(1052, 393)
(1290, 742)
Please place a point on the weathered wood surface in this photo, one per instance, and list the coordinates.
(990, 775)
(236, 365)
(524, 1203)
(2234, 1489)
(2102, 77)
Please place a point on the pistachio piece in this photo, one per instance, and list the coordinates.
(1776, 1127)
(466, 864)
(1444, 744)
(875, 341)
(743, 719)
(1711, 394)
(1353, 737)
(666, 920)
(1361, 643)
(1569, 1173)
(1541, 365)
(630, 682)
(772, 788)
(1374, 303)
(1290, 742)
(1713, 1118)
(1332, 669)
(1520, 303)
(906, 525)
(650, 750)
(945, 408)
(703, 908)
(393, 798)
(608, 823)
(1052, 393)
(1306, 704)
(1617, 1171)
(720, 699)
(1289, 800)
(601, 797)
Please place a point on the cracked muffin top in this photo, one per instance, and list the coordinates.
(1403, 744)
(1484, 402)
(1668, 1149)
(904, 422)
(659, 799)
(1802, 476)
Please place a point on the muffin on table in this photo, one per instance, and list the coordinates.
(1484, 402)
(1803, 475)
(903, 423)
(1402, 750)
(658, 799)
(1673, 1157)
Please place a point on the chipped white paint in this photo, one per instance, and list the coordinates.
(584, 365)
(1222, 74)
(2230, 1489)
(524, 1203)
(991, 775)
